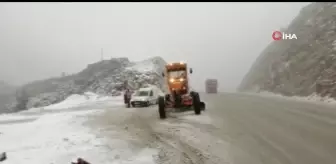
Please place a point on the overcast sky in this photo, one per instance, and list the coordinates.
(219, 40)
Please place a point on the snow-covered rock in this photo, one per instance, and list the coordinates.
(299, 67)
(108, 77)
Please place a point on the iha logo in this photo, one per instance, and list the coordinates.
(277, 35)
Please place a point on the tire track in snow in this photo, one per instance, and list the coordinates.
(180, 139)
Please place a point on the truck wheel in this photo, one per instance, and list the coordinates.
(196, 103)
(162, 111)
(202, 106)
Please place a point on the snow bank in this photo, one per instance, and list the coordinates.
(61, 137)
(15, 117)
(52, 138)
(58, 137)
(144, 66)
(79, 100)
(72, 101)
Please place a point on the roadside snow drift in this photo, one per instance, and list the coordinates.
(78, 100)
(60, 137)
(72, 101)
(51, 138)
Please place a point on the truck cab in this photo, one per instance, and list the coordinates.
(179, 97)
(177, 77)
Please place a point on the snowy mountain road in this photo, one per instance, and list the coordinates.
(236, 128)
(274, 130)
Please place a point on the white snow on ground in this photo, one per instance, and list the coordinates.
(51, 138)
(60, 137)
(71, 102)
(144, 66)
(214, 149)
(12, 117)
(203, 119)
(310, 99)
(79, 100)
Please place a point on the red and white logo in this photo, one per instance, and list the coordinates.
(278, 35)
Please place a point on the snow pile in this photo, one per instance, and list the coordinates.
(154, 64)
(142, 67)
(76, 100)
(52, 138)
(87, 98)
(61, 137)
(15, 117)
(107, 77)
(133, 76)
(71, 101)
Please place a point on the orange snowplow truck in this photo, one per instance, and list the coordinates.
(177, 77)
(179, 97)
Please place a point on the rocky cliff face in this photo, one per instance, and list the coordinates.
(107, 77)
(299, 67)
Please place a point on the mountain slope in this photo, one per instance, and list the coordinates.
(104, 77)
(299, 67)
(7, 95)
(6, 88)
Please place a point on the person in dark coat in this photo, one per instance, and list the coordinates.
(127, 96)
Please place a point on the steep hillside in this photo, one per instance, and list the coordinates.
(7, 95)
(6, 88)
(104, 77)
(299, 67)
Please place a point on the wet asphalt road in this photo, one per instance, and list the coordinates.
(275, 131)
(244, 129)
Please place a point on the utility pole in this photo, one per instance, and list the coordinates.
(102, 54)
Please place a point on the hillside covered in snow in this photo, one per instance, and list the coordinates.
(299, 67)
(7, 94)
(107, 77)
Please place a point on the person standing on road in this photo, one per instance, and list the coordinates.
(127, 95)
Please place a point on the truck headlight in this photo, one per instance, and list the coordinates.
(171, 80)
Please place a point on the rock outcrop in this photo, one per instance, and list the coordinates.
(299, 67)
